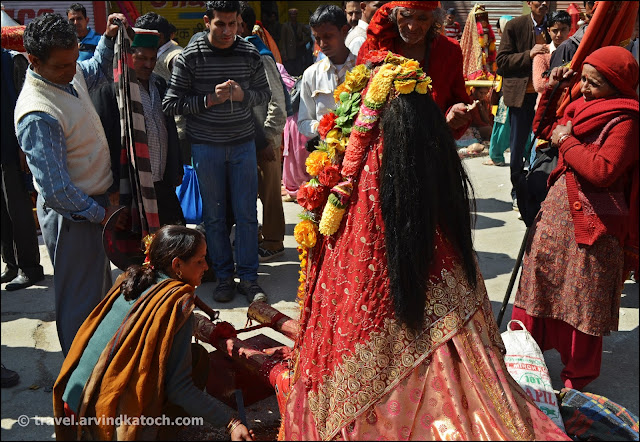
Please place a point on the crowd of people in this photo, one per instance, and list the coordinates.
(403, 345)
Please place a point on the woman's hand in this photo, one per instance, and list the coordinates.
(560, 74)
(242, 433)
(561, 133)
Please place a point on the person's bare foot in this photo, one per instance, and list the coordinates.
(490, 162)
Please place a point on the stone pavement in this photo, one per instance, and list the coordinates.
(30, 344)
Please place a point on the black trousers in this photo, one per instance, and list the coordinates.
(521, 119)
(19, 245)
(169, 210)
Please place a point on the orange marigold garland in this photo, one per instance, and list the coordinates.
(326, 196)
(302, 256)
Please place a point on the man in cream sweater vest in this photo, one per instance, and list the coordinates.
(60, 132)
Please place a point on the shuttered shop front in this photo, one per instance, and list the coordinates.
(495, 10)
(23, 12)
(187, 16)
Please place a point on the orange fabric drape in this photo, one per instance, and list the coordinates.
(268, 40)
(121, 383)
(611, 25)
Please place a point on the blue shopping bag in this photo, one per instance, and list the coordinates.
(189, 196)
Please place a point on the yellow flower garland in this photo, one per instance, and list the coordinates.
(397, 73)
(302, 256)
(331, 216)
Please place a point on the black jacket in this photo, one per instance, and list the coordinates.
(13, 69)
(104, 100)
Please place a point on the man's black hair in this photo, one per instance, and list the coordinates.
(222, 6)
(77, 7)
(155, 22)
(331, 14)
(558, 17)
(591, 4)
(46, 32)
(451, 11)
(248, 16)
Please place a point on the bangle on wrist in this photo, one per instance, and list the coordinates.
(233, 424)
(562, 139)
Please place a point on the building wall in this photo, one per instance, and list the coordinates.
(187, 16)
(25, 11)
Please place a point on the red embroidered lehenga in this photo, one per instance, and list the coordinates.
(361, 374)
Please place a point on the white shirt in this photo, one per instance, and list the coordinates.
(316, 95)
(162, 49)
(356, 37)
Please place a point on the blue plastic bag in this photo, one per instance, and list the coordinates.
(189, 196)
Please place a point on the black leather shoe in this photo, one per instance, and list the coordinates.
(8, 275)
(22, 282)
(9, 377)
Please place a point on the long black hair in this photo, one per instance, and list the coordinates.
(171, 241)
(424, 186)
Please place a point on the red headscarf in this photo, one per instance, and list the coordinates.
(618, 66)
(381, 31)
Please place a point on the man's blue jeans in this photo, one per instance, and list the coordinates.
(234, 166)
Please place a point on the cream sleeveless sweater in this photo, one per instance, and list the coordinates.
(162, 65)
(88, 160)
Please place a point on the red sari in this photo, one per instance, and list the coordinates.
(361, 374)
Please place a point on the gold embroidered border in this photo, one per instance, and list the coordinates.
(391, 353)
(518, 429)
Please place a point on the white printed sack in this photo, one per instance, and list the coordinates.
(525, 363)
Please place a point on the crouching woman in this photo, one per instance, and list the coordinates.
(133, 356)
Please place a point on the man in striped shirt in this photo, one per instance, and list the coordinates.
(215, 83)
(451, 26)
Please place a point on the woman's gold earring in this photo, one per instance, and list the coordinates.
(179, 274)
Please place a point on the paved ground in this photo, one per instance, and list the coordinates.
(30, 344)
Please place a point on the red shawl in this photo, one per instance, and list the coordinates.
(601, 164)
(445, 59)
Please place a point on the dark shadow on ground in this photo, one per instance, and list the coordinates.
(494, 264)
(38, 370)
(630, 295)
(492, 205)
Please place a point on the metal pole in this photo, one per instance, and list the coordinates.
(514, 273)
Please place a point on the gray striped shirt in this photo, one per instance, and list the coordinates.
(197, 71)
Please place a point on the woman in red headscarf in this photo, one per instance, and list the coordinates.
(409, 28)
(397, 340)
(584, 240)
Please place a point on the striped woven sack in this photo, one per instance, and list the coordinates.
(589, 416)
